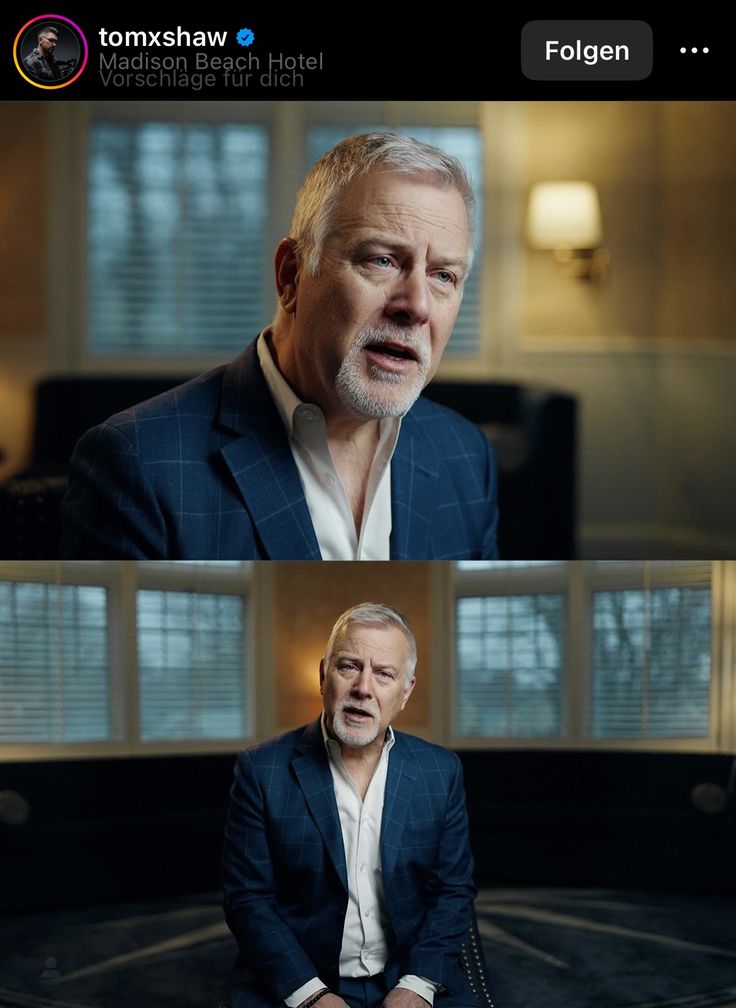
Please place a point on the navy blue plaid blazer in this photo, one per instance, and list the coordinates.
(285, 879)
(205, 472)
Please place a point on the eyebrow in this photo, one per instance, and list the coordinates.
(347, 656)
(364, 245)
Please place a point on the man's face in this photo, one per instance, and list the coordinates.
(364, 685)
(47, 43)
(370, 329)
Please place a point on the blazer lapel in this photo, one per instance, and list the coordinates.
(262, 465)
(312, 769)
(413, 472)
(400, 787)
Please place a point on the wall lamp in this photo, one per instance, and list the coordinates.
(565, 218)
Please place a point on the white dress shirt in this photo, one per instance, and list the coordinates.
(364, 948)
(328, 504)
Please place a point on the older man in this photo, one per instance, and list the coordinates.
(314, 443)
(348, 872)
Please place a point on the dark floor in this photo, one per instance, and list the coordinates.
(546, 948)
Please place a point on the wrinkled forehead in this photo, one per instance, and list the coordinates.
(374, 640)
(393, 201)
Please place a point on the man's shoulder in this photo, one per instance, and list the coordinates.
(197, 393)
(280, 748)
(198, 401)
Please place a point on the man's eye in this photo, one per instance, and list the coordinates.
(382, 260)
(445, 277)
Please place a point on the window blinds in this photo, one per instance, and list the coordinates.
(510, 655)
(191, 661)
(651, 663)
(64, 664)
(54, 683)
(176, 227)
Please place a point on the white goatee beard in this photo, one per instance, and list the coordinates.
(350, 737)
(354, 392)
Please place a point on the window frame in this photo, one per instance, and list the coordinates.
(579, 580)
(122, 580)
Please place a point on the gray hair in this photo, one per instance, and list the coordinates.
(375, 614)
(355, 157)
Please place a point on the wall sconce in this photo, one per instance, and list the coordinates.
(565, 217)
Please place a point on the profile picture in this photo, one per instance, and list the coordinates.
(50, 51)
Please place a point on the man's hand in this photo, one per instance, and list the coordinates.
(402, 997)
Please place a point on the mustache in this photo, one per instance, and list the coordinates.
(351, 705)
(397, 335)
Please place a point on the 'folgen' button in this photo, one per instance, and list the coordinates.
(586, 50)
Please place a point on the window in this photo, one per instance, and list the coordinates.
(190, 657)
(622, 654)
(510, 665)
(131, 656)
(53, 663)
(651, 663)
(176, 236)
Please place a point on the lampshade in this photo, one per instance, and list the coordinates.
(564, 214)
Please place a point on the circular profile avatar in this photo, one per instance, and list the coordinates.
(50, 51)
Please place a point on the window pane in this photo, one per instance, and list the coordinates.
(466, 144)
(651, 663)
(53, 663)
(177, 215)
(510, 653)
(191, 666)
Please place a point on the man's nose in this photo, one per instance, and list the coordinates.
(409, 298)
(362, 684)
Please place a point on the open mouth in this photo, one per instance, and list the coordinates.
(395, 358)
(394, 351)
(357, 714)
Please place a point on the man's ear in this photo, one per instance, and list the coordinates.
(407, 692)
(287, 264)
(321, 674)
